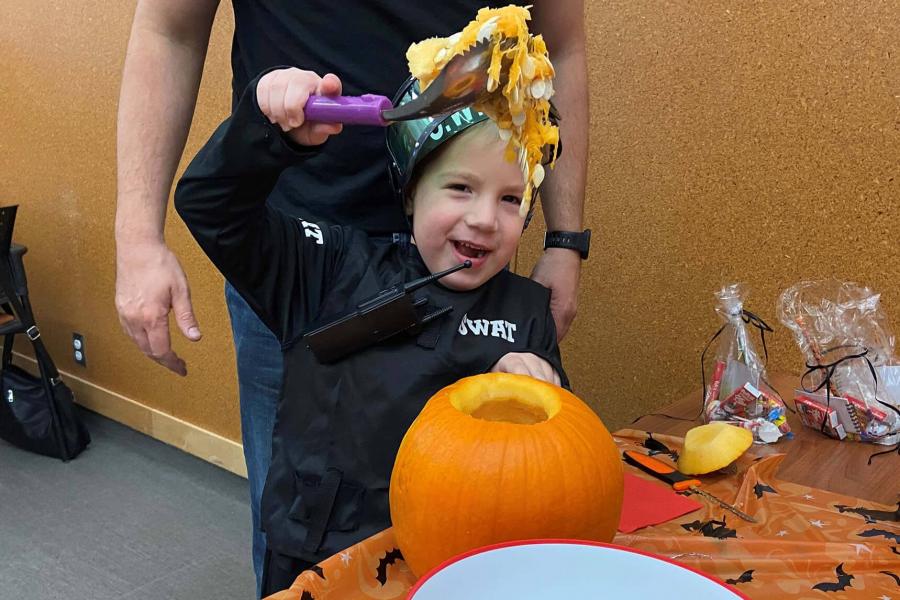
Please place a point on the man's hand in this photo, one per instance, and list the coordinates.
(282, 96)
(559, 269)
(526, 363)
(149, 283)
(159, 88)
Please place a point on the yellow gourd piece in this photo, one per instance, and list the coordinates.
(711, 447)
(520, 107)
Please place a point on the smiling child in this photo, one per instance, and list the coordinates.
(339, 423)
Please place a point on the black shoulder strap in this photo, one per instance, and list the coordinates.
(327, 494)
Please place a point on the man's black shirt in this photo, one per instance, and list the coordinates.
(363, 42)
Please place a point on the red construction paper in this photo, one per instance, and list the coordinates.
(650, 503)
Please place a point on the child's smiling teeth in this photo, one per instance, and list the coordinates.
(470, 250)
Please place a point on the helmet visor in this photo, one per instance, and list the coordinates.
(409, 142)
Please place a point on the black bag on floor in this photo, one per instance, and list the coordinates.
(37, 412)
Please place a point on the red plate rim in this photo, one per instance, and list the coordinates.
(422, 580)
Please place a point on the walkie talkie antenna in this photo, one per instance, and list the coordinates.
(438, 313)
(420, 283)
(374, 320)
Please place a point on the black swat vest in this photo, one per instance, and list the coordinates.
(339, 426)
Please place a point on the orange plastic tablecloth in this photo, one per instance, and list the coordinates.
(807, 543)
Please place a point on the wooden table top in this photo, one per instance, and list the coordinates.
(812, 459)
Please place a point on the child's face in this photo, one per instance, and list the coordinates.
(466, 207)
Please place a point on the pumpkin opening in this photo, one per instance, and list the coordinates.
(510, 410)
(515, 401)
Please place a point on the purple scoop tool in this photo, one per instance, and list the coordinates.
(368, 109)
(461, 82)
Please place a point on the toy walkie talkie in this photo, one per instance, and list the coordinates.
(387, 313)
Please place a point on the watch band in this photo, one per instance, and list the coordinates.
(580, 241)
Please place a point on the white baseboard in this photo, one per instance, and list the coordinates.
(185, 436)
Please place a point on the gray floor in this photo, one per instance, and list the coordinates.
(130, 518)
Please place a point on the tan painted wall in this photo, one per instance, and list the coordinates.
(757, 141)
(62, 64)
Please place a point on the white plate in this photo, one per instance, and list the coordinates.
(569, 570)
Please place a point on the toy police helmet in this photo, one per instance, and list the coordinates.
(409, 142)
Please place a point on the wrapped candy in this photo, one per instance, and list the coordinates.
(738, 392)
(846, 342)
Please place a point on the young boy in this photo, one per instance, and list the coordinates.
(341, 420)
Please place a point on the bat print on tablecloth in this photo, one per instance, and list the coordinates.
(389, 558)
(746, 577)
(761, 488)
(871, 515)
(712, 528)
(889, 535)
(843, 582)
(657, 447)
(893, 576)
(307, 596)
(894, 550)
(317, 570)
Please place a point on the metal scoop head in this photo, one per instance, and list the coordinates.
(461, 83)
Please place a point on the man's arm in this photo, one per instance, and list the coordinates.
(160, 80)
(561, 22)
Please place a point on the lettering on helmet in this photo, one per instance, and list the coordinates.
(456, 121)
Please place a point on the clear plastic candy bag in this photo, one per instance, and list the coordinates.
(738, 392)
(848, 389)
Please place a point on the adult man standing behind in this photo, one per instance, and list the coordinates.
(364, 42)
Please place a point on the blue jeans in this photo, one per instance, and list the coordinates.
(259, 367)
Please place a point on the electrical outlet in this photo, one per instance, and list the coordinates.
(78, 349)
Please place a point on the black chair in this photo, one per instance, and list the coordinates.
(36, 412)
(12, 277)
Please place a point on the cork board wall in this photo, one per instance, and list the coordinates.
(730, 141)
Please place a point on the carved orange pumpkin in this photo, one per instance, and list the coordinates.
(500, 457)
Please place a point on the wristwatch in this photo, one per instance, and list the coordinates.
(572, 240)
